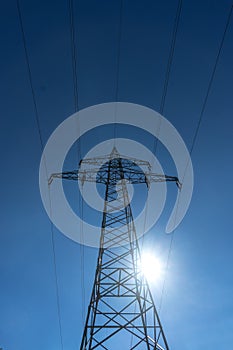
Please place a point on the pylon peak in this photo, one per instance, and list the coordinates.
(114, 152)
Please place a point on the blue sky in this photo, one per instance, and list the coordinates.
(197, 309)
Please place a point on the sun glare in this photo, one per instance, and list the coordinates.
(151, 267)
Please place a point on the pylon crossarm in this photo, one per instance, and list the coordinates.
(90, 176)
(70, 175)
(151, 177)
(99, 161)
(99, 176)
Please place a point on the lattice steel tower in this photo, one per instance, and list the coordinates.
(121, 314)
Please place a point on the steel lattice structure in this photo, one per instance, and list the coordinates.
(121, 313)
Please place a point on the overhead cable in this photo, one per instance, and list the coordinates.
(42, 147)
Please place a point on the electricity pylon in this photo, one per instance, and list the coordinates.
(121, 313)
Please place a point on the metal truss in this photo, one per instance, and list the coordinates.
(139, 173)
(121, 313)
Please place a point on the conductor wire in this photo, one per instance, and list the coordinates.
(42, 147)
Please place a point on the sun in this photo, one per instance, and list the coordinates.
(151, 267)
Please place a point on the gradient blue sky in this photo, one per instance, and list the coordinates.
(197, 309)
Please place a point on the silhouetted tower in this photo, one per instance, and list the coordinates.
(121, 313)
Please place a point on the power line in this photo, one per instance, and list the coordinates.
(211, 79)
(170, 57)
(119, 50)
(42, 147)
(73, 55)
(30, 74)
(118, 63)
(161, 110)
(168, 68)
(76, 107)
(198, 128)
(164, 93)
